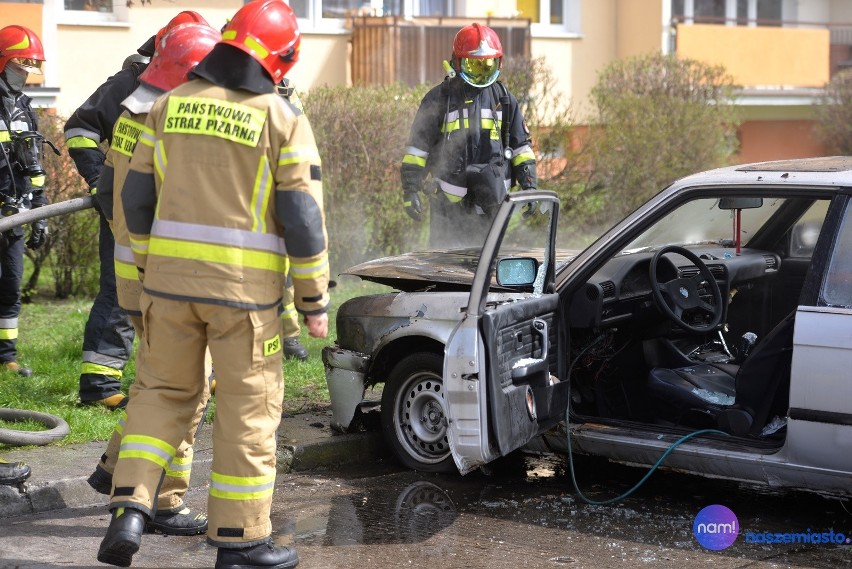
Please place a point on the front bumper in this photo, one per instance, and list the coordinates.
(345, 371)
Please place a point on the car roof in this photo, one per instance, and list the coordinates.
(826, 172)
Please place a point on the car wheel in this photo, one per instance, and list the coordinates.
(413, 413)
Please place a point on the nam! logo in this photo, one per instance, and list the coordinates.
(716, 527)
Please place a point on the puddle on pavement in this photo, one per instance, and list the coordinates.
(408, 507)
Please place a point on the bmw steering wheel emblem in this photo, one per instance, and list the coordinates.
(683, 292)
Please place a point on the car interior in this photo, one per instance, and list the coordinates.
(690, 326)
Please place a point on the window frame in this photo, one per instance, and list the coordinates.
(119, 16)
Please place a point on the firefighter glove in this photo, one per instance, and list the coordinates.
(411, 203)
(38, 234)
(93, 191)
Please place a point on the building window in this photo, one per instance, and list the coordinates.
(91, 12)
(333, 13)
(89, 5)
(551, 16)
(740, 12)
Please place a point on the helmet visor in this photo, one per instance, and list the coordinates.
(27, 64)
(480, 72)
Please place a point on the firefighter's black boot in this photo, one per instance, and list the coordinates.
(12, 473)
(123, 537)
(101, 481)
(263, 556)
(294, 350)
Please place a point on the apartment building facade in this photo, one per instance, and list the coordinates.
(782, 52)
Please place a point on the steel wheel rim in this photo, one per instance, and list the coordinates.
(419, 418)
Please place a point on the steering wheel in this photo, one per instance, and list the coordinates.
(679, 297)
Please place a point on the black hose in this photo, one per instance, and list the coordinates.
(57, 428)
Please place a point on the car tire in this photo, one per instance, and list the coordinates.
(413, 413)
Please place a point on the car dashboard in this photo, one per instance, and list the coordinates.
(620, 292)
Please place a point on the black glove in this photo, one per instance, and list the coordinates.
(38, 234)
(411, 203)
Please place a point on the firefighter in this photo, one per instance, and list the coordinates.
(290, 329)
(21, 178)
(470, 136)
(108, 336)
(177, 53)
(223, 197)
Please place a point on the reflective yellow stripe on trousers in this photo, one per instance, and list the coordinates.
(241, 487)
(147, 448)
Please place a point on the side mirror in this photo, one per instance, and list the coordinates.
(517, 271)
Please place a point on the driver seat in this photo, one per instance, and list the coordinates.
(705, 396)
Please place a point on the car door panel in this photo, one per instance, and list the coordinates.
(518, 364)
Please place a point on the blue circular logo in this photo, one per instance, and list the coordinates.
(716, 527)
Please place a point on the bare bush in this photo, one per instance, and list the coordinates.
(70, 254)
(659, 118)
(834, 114)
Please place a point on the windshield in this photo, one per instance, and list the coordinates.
(703, 222)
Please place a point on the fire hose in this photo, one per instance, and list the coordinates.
(57, 428)
(44, 212)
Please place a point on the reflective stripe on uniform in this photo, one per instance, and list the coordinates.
(8, 328)
(218, 235)
(289, 310)
(147, 137)
(260, 195)
(522, 154)
(122, 421)
(309, 270)
(148, 448)
(125, 263)
(241, 487)
(81, 138)
(160, 160)
(297, 155)
(98, 369)
(179, 467)
(454, 193)
(139, 246)
(415, 156)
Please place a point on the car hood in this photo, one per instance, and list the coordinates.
(436, 270)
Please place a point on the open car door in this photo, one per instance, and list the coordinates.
(500, 392)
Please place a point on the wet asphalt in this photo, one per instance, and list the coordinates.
(524, 514)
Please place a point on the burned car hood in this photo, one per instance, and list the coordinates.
(439, 270)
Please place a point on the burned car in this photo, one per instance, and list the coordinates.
(716, 318)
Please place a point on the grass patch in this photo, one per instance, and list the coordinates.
(51, 340)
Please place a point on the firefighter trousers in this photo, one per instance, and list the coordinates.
(108, 336)
(11, 272)
(176, 481)
(246, 349)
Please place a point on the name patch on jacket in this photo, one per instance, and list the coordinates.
(125, 135)
(232, 121)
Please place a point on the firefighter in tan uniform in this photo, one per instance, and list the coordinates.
(223, 198)
(177, 53)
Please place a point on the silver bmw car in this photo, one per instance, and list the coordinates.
(712, 325)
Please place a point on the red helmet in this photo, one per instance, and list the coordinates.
(266, 30)
(477, 55)
(20, 45)
(178, 52)
(185, 17)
